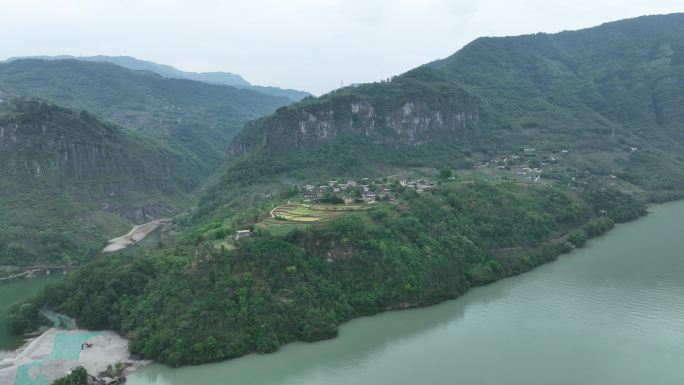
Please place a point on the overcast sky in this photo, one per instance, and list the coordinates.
(312, 45)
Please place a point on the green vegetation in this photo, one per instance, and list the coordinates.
(78, 376)
(192, 118)
(166, 71)
(70, 182)
(188, 306)
(25, 317)
(296, 216)
(607, 96)
(553, 138)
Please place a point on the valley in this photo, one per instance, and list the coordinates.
(254, 221)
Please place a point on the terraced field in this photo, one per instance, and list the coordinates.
(292, 216)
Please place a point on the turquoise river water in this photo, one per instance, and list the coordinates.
(611, 313)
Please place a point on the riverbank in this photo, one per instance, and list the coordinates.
(606, 314)
(54, 353)
(276, 289)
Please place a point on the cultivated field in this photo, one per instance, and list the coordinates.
(292, 216)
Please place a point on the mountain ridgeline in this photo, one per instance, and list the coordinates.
(193, 118)
(460, 172)
(596, 93)
(224, 78)
(70, 181)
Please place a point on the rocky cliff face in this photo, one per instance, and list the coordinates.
(41, 150)
(194, 118)
(402, 122)
(86, 163)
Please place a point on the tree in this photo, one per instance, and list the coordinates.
(78, 376)
(445, 173)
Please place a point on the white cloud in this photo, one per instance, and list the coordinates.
(305, 44)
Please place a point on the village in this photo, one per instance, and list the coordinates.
(366, 190)
(323, 201)
(319, 201)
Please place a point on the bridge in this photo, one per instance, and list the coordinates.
(30, 271)
(49, 267)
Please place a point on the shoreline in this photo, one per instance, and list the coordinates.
(553, 256)
(53, 354)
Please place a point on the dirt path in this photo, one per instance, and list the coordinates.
(274, 210)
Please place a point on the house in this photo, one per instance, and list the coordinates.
(312, 195)
(243, 234)
(351, 183)
(369, 196)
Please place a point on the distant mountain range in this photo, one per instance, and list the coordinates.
(89, 148)
(167, 71)
(486, 164)
(195, 119)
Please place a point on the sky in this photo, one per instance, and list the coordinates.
(311, 45)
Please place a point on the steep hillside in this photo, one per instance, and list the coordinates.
(193, 306)
(69, 182)
(190, 117)
(602, 102)
(403, 193)
(167, 71)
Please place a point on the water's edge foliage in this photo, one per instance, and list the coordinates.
(194, 306)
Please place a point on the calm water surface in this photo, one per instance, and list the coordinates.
(611, 313)
(11, 293)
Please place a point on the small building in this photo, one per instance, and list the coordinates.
(243, 234)
(369, 196)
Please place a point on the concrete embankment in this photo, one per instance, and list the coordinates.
(136, 235)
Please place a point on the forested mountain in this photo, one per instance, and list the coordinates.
(520, 149)
(69, 182)
(609, 97)
(193, 118)
(167, 71)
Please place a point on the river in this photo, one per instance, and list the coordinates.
(13, 292)
(610, 313)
